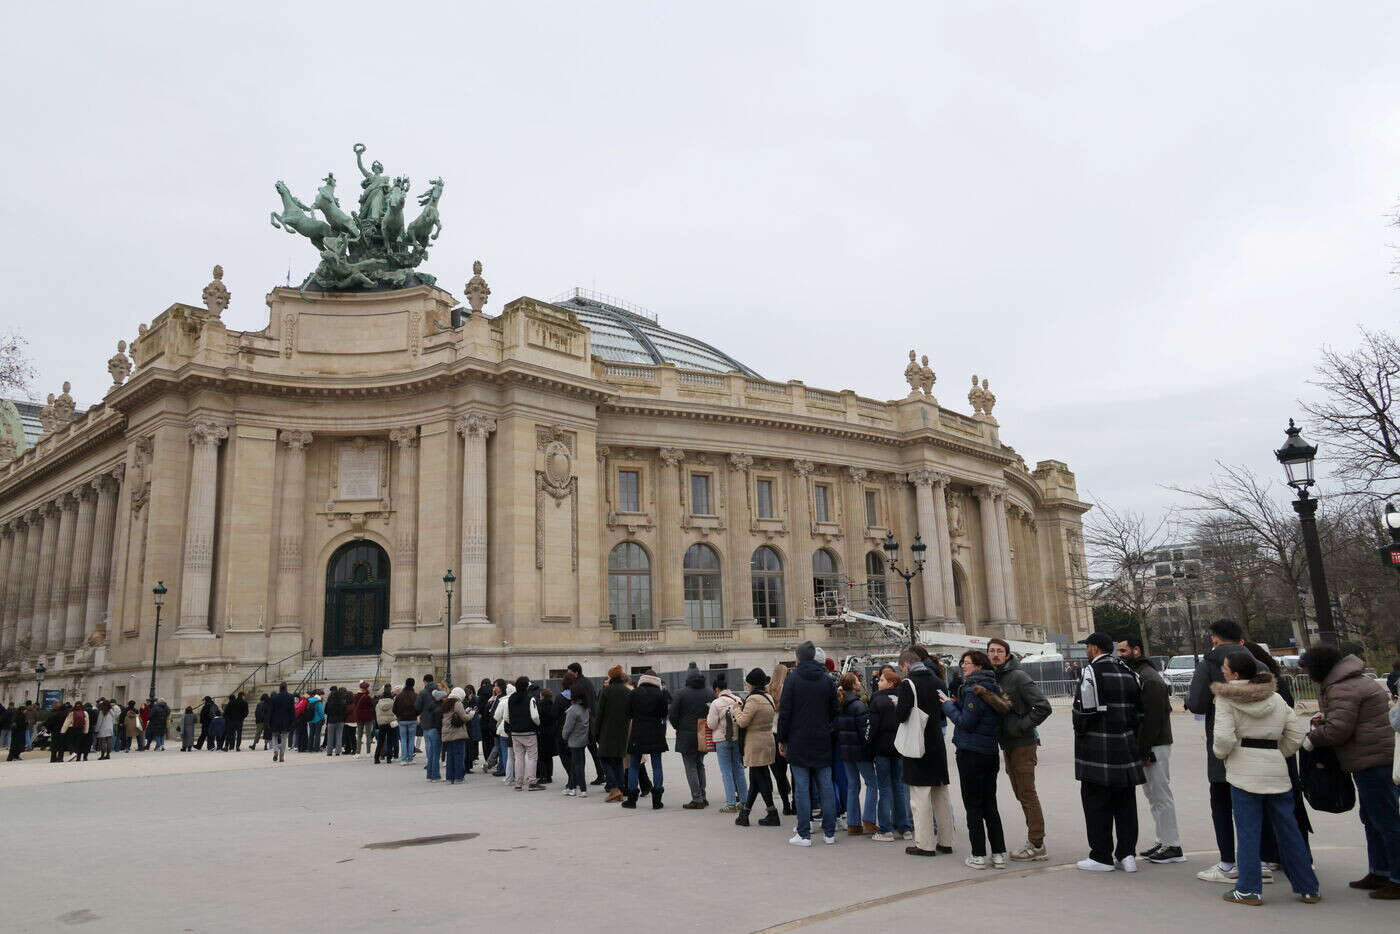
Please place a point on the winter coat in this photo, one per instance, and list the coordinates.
(106, 722)
(1253, 710)
(450, 732)
(574, 733)
(317, 709)
(1029, 708)
(208, 712)
(1199, 699)
(260, 711)
(236, 710)
(1105, 741)
(807, 716)
(384, 711)
(612, 722)
(549, 728)
(691, 703)
(883, 722)
(336, 707)
(756, 715)
(68, 723)
(852, 730)
(647, 708)
(281, 712)
(424, 698)
(1155, 728)
(1354, 717)
(932, 767)
(522, 714)
(561, 703)
(361, 708)
(159, 720)
(429, 712)
(187, 726)
(132, 725)
(977, 713)
(721, 715)
(406, 706)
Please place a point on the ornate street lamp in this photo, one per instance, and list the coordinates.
(1390, 554)
(1296, 456)
(892, 560)
(39, 670)
(448, 580)
(158, 591)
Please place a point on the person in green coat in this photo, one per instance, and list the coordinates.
(611, 729)
(1019, 742)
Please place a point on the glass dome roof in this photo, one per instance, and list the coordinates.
(624, 333)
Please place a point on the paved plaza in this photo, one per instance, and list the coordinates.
(205, 841)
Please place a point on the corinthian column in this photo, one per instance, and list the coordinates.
(945, 546)
(289, 537)
(197, 565)
(9, 536)
(1008, 572)
(991, 553)
(404, 611)
(62, 562)
(931, 580)
(666, 564)
(79, 567)
(99, 578)
(25, 636)
(474, 428)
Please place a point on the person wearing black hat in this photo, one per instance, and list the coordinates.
(755, 717)
(1106, 712)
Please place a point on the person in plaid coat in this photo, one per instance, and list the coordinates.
(1106, 713)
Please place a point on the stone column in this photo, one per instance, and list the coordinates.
(931, 580)
(668, 601)
(198, 560)
(99, 578)
(289, 537)
(1008, 573)
(474, 427)
(80, 566)
(25, 637)
(945, 548)
(8, 536)
(739, 572)
(404, 589)
(62, 562)
(991, 554)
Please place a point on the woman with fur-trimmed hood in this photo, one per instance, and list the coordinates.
(1254, 731)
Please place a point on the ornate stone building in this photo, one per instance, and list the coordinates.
(604, 490)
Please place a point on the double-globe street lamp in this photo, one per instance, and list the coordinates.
(158, 592)
(39, 670)
(1296, 456)
(448, 580)
(892, 555)
(1390, 554)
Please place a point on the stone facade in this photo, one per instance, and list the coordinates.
(242, 469)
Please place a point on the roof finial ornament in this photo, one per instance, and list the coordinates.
(119, 365)
(912, 374)
(477, 291)
(216, 294)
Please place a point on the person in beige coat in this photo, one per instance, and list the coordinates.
(755, 716)
(1254, 731)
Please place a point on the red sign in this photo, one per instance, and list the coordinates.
(1395, 555)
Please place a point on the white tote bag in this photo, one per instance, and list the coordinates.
(909, 738)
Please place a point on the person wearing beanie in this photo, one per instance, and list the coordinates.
(384, 726)
(456, 719)
(755, 715)
(646, 708)
(806, 719)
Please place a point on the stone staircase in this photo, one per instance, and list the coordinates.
(345, 671)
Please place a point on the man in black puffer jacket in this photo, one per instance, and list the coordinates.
(692, 703)
(857, 757)
(806, 719)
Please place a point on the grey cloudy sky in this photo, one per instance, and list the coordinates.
(1141, 221)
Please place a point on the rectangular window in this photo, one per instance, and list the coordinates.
(700, 494)
(629, 491)
(1163, 570)
(821, 496)
(765, 499)
(872, 509)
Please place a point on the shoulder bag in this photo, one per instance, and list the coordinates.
(909, 738)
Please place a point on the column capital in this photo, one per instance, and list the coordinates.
(857, 474)
(117, 474)
(35, 515)
(206, 432)
(475, 424)
(68, 501)
(404, 437)
(294, 438)
(803, 468)
(926, 477)
(671, 457)
(740, 461)
(88, 491)
(993, 491)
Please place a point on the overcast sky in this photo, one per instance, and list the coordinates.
(1140, 221)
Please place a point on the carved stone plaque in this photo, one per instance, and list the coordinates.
(358, 473)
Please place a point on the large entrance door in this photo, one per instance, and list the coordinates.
(357, 599)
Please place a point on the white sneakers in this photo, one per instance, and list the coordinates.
(581, 794)
(830, 841)
(976, 862)
(568, 792)
(799, 840)
(1029, 852)
(1093, 865)
(1213, 873)
(998, 860)
(1127, 864)
(882, 837)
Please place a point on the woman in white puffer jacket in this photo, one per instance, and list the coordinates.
(1254, 730)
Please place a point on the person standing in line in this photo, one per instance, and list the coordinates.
(1352, 719)
(647, 707)
(384, 726)
(235, 712)
(691, 704)
(406, 712)
(610, 731)
(856, 754)
(522, 725)
(425, 696)
(281, 716)
(548, 732)
(54, 724)
(106, 723)
(1020, 743)
(779, 768)
(756, 716)
(430, 725)
(560, 704)
(806, 720)
(1106, 712)
(132, 727)
(456, 724)
(1154, 745)
(75, 732)
(925, 777)
(157, 724)
(187, 722)
(720, 720)
(337, 709)
(19, 728)
(1392, 680)
(575, 739)
(1255, 731)
(590, 700)
(891, 807)
(360, 714)
(1226, 636)
(976, 715)
(315, 720)
(505, 761)
(207, 712)
(260, 730)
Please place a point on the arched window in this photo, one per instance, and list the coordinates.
(875, 586)
(703, 607)
(958, 591)
(768, 587)
(629, 587)
(826, 583)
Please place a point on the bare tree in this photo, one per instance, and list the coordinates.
(1233, 569)
(1358, 414)
(1118, 545)
(15, 369)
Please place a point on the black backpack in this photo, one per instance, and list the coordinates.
(1325, 786)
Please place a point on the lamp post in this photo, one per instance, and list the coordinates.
(1390, 554)
(448, 580)
(1296, 456)
(158, 591)
(892, 555)
(39, 670)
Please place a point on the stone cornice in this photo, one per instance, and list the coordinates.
(63, 449)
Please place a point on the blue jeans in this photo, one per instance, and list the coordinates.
(856, 772)
(158, 740)
(432, 751)
(406, 733)
(456, 760)
(1376, 796)
(1251, 810)
(802, 778)
(731, 772)
(503, 755)
(838, 776)
(636, 761)
(892, 811)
